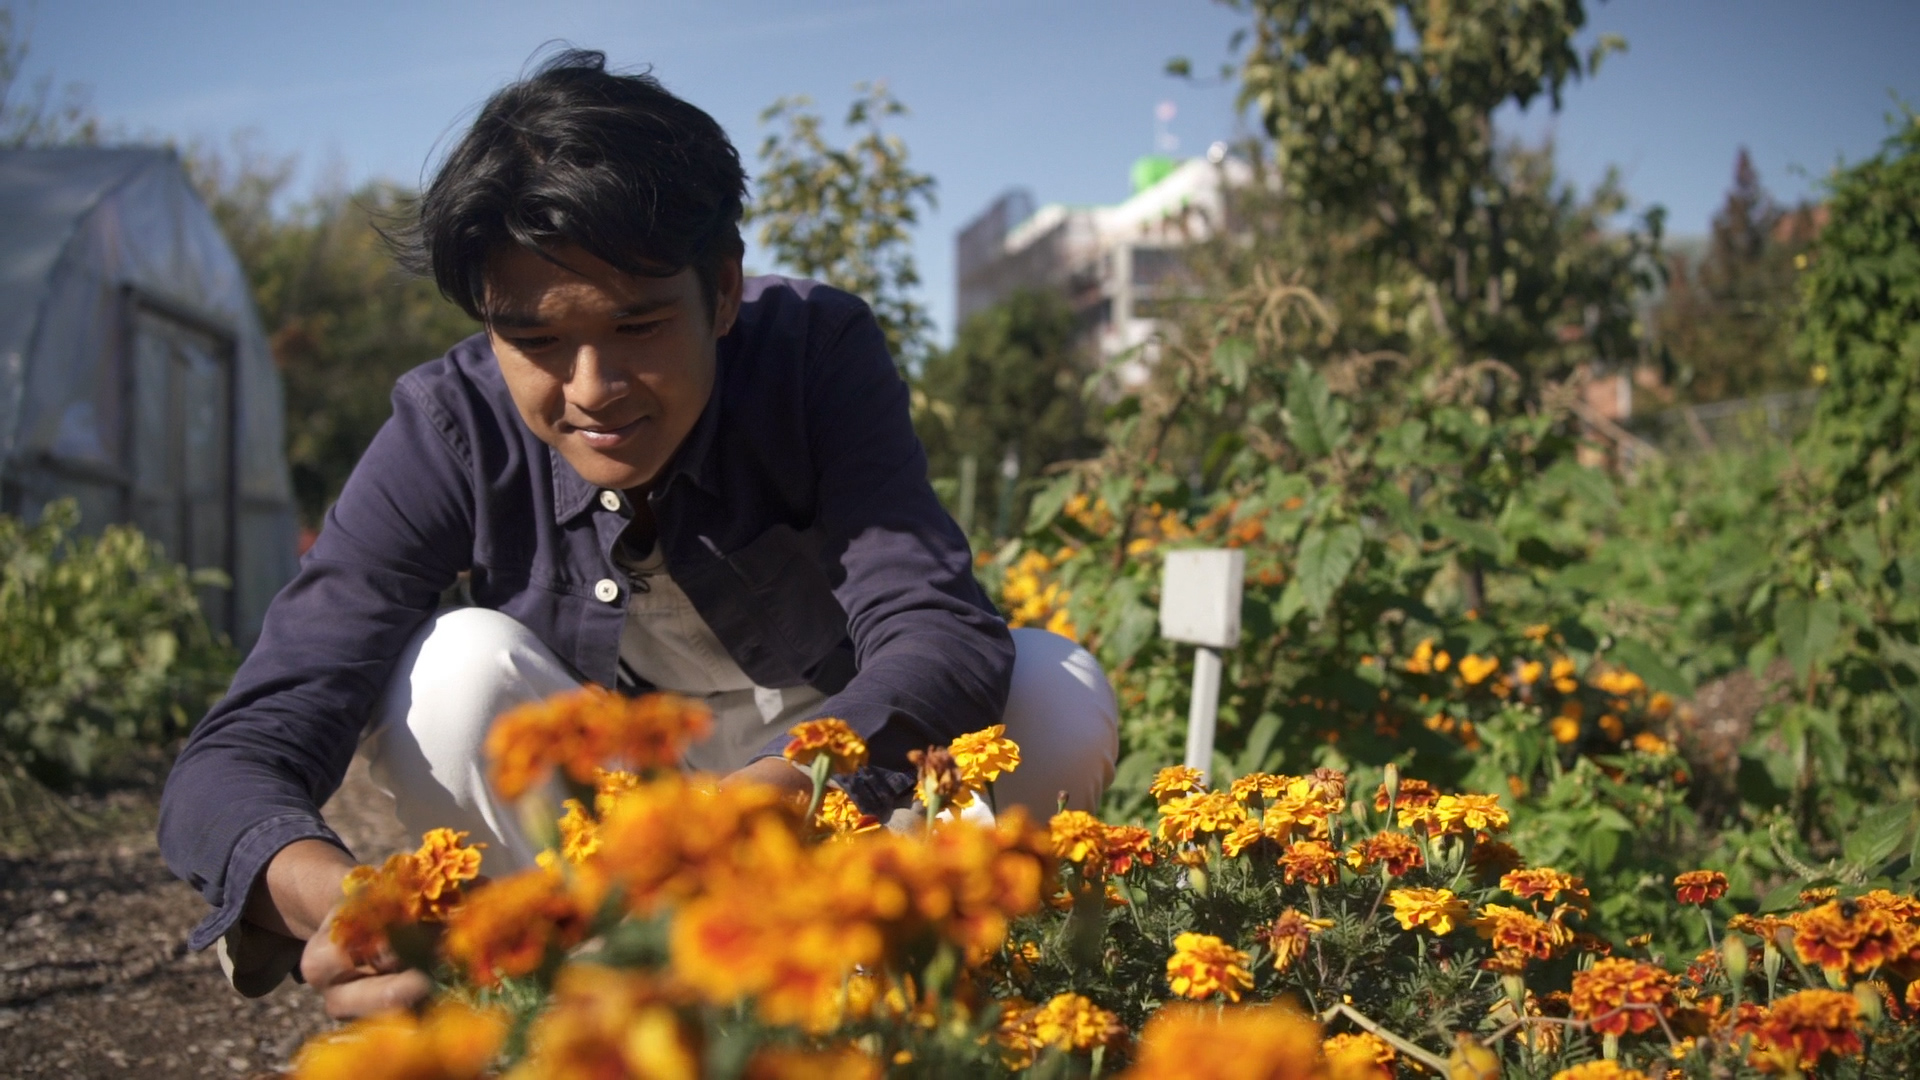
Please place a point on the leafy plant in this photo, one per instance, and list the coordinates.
(102, 645)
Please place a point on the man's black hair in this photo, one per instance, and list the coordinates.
(577, 155)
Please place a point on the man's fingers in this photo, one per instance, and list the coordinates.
(376, 993)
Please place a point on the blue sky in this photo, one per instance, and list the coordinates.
(1054, 95)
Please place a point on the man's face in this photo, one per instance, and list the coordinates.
(609, 369)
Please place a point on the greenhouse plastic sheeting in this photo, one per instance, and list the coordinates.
(134, 376)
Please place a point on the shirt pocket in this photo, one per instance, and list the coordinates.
(792, 597)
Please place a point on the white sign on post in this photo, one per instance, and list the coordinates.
(1200, 605)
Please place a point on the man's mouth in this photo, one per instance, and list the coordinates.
(606, 436)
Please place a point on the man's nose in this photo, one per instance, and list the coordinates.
(594, 382)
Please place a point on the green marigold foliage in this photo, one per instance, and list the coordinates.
(102, 645)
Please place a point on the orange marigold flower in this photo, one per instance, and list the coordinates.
(1271, 1042)
(1805, 1026)
(603, 1021)
(1700, 887)
(1617, 995)
(508, 928)
(583, 730)
(1531, 671)
(1765, 927)
(1435, 909)
(1189, 818)
(451, 1041)
(798, 1063)
(1127, 845)
(1310, 862)
(377, 899)
(1491, 859)
(1397, 851)
(579, 833)
(1080, 838)
(1290, 934)
(1075, 1024)
(1512, 930)
(1175, 781)
(1475, 668)
(1244, 835)
(1565, 729)
(1545, 883)
(1358, 1055)
(1813, 897)
(985, 756)
(1412, 793)
(1600, 1070)
(1203, 965)
(1839, 936)
(829, 738)
(1259, 785)
(841, 816)
(1903, 907)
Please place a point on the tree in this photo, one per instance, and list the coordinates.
(343, 319)
(1381, 115)
(845, 215)
(38, 117)
(1009, 383)
(1727, 324)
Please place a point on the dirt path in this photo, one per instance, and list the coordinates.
(95, 979)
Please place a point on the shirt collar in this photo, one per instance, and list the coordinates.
(572, 495)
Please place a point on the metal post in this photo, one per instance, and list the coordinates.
(1204, 710)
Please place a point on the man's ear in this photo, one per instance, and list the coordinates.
(727, 290)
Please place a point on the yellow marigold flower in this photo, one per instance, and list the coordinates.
(1203, 965)
(840, 815)
(451, 1041)
(1619, 682)
(1600, 1070)
(1841, 937)
(1310, 862)
(1127, 845)
(1397, 851)
(1244, 836)
(829, 738)
(1060, 622)
(446, 861)
(1618, 996)
(796, 1063)
(1189, 818)
(424, 886)
(1903, 907)
(1357, 1055)
(1546, 883)
(1175, 781)
(1080, 838)
(1813, 897)
(1475, 668)
(1660, 705)
(604, 1021)
(1075, 1024)
(1519, 933)
(1562, 668)
(1421, 662)
(1804, 1027)
(1258, 785)
(1700, 887)
(1469, 813)
(1442, 660)
(984, 756)
(507, 928)
(585, 729)
(579, 833)
(1435, 909)
(1531, 671)
(1271, 1042)
(1290, 934)
(1565, 729)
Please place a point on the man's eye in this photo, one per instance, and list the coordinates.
(531, 344)
(641, 329)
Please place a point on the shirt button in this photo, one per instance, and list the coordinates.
(606, 590)
(610, 500)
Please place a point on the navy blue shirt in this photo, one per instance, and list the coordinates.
(796, 516)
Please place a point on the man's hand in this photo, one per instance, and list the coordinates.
(774, 772)
(297, 897)
(351, 990)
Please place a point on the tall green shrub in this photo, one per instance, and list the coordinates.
(102, 645)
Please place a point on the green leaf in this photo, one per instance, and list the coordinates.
(1327, 556)
(1047, 504)
(1474, 535)
(1807, 630)
(1878, 835)
(1232, 359)
(1316, 420)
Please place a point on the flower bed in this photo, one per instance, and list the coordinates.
(1282, 927)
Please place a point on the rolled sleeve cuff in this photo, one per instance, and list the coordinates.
(251, 854)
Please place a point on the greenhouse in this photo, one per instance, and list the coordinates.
(134, 375)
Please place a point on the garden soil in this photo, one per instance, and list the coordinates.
(95, 976)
